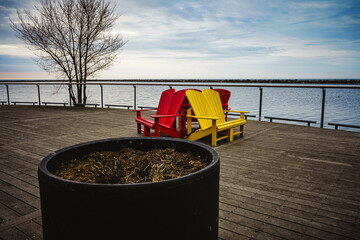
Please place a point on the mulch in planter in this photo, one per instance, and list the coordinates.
(131, 166)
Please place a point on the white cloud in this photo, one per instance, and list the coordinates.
(311, 5)
(18, 50)
(311, 52)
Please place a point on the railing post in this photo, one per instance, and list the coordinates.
(134, 97)
(260, 103)
(69, 95)
(102, 96)
(323, 108)
(8, 95)
(38, 88)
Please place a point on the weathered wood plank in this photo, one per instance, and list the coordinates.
(18, 206)
(22, 185)
(20, 220)
(31, 229)
(26, 197)
(13, 234)
(18, 174)
(17, 164)
(6, 213)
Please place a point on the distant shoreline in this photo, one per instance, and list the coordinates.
(293, 81)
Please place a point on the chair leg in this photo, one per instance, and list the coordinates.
(146, 131)
(139, 128)
(182, 124)
(188, 121)
(156, 132)
(213, 135)
(230, 134)
(242, 130)
(213, 139)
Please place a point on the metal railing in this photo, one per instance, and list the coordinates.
(211, 85)
(291, 120)
(337, 125)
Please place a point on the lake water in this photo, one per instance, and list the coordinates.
(342, 105)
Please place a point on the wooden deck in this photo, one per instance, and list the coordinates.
(278, 182)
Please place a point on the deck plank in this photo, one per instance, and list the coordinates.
(278, 182)
(31, 229)
(13, 234)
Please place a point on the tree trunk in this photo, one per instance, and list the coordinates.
(84, 95)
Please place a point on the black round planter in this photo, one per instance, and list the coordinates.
(182, 208)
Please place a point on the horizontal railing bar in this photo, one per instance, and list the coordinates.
(86, 104)
(343, 125)
(246, 115)
(345, 86)
(22, 102)
(146, 107)
(291, 119)
(55, 103)
(118, 105)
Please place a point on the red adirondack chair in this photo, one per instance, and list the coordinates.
(161, 109)
(224, 97)
(166, 123)
(164, 120)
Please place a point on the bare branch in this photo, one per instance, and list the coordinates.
(71, 37)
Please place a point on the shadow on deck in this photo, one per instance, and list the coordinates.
(278, 182)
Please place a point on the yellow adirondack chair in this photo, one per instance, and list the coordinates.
(209, 112)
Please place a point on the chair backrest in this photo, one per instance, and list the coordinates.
(206, 105)
(164, 101)
(173, 108)
(214, 101)
(186, 103)
(224, 96)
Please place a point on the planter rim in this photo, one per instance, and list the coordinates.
(42, 168)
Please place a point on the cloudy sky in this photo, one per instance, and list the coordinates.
(227, 39)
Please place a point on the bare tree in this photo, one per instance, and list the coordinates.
(71, 37)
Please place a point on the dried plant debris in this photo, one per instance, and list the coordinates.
(131, 166)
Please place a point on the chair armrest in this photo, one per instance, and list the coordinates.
(242, 113)
(140, 110)
(236, 111)
(203, 117)
(165, 116)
